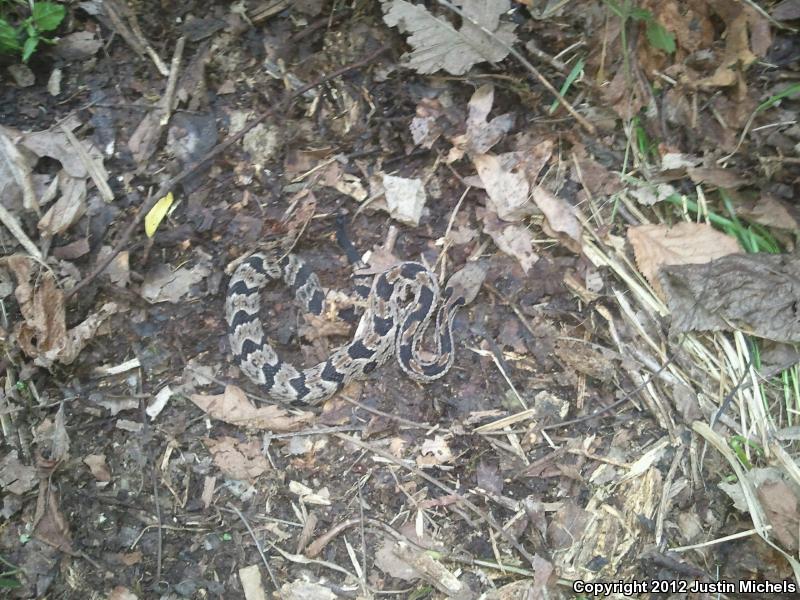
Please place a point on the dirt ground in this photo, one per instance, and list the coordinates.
(600, 424)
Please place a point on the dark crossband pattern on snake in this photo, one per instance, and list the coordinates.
(400, 305)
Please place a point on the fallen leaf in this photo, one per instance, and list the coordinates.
(97, 465)
(156, 214)
(434, 452)
(56, 145)
(655, 246)
(769, 211)
(508, 189)
(321, 497)
(755, 292)
(43, 334)
(252, 587)
(69, 207)
(405, 198)
(721, 178)
(481, 134)
(511, 238)
(49, 524)
(301, 589)
(438, 45)
(15, 477)
(122, 593)
(237, 460)
(162, 284)
(780, 508)
(424, 127)
(233, 407)
(561, 217)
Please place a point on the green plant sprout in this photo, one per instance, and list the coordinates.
(576, 71)
(25, 37)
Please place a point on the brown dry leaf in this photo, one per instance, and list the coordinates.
(97, 465)
(755, 292)
(655, 246)
(481, 134)
(560, 217)
(434, 452)
(122, 593)
(507, 188)
(769, 211)
(787, 10)
(56, 145)
(346, 183)
(424, 127)
(16, 478)
(237, 460)
(234, 407)
(746, 37)
(511, 238)
(300, 589)
(721, 178)
(53, 439)
(49, 524)
(162, 284)
(780, 508)
(43, 335)
(66, 211)
(433, 571)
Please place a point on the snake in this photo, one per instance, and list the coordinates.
(401, 303)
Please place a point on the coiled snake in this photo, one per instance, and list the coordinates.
(400, 305)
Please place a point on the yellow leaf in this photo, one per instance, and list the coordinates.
(153, 218)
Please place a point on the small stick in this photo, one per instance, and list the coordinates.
(216, 151)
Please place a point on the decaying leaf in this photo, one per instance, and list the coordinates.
(233, 407)
(780, 508)
(439, 45)
(50, 526)
(97, 465)
(507, 188)
(162, 284)
(561, 217)
(43, 334)
(300, 589)
(434, 452)
(756, 292)
(655, 246)
(481, 134)
(15, 477)
(237, 460)
(70, 207)
(511, 238)
(405, 198)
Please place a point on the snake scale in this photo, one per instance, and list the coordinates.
(400, 304)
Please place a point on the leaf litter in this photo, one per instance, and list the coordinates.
(485, 175)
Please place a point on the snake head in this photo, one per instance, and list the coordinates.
(466, 283)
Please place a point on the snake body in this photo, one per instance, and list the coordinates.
(399, 307)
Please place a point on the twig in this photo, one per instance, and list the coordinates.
(432, 480)
(252, 533)
(11, 223)
(218, 149)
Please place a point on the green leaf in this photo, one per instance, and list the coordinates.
(9, 584)
(641, 14)
(29, 48)
(9, 40)
(660, 38)
(48, 15)
(616, 9)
